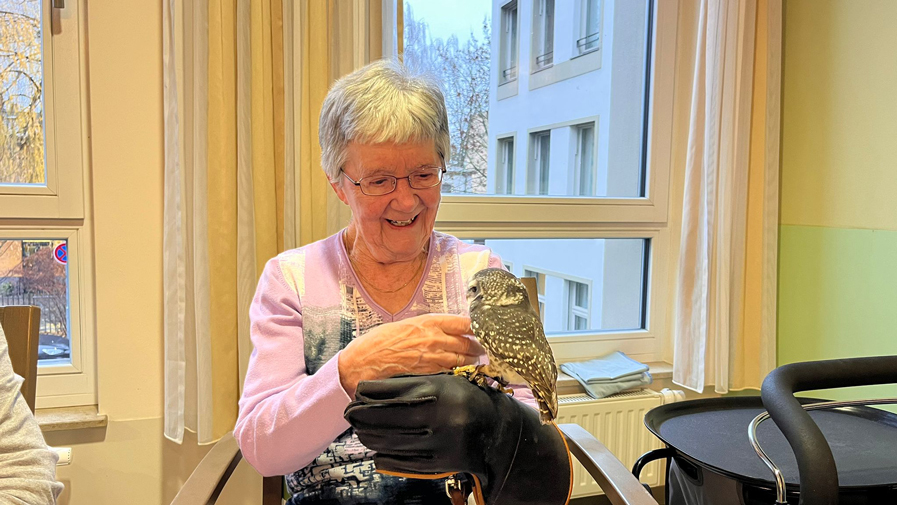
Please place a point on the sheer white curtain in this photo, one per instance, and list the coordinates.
(724, 330)
(224, 213)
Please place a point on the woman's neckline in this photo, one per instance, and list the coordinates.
(344, 252)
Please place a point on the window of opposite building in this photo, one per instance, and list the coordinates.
(508, 43)
(543, 34)
(504, 178)
(569, 177)
(577, 306)
(589, 26)
(45, 246)
(539, 164)
(584, 160)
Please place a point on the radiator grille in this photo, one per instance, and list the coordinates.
(618, 422)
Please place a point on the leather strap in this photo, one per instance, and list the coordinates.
(458, 488)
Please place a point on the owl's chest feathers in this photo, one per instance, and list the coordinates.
(498, 368)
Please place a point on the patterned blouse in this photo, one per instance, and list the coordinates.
(308, 306)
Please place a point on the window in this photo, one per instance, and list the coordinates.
(584, 161)
(504, 179)
(543, 34)
(508, 50)
(42, 167)
(537, 173)
(589, 26)
(578, 311)
(591, 210)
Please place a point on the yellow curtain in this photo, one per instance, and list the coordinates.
(244, 84)
(331, 38)
(243, 125)
(756, 343)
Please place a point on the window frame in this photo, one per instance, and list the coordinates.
(531, 217)
(62, 195)
(582, 36)
(543, 35)
(58, 209)
(571, 308)
(538, 168)
(578, 169)
(509, 47)
(505, 172)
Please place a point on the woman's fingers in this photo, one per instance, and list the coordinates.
(449, 323)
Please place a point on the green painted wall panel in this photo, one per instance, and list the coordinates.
(837, 296)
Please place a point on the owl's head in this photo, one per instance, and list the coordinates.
(494, 286)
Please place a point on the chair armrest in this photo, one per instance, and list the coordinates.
(617, 482)
(209, 477)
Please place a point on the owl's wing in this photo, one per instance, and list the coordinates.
(515, 336)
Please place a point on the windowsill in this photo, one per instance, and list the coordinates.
(588, 51)
(70, 418)
(542, 68)
(659, 370)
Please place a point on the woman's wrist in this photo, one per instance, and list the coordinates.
(347, 371)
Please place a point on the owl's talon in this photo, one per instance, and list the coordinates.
(468, 371)
(507, 391)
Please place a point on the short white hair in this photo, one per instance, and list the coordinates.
(381, 102)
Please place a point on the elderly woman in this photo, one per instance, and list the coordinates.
(336, 320)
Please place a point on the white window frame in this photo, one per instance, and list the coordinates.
(57, 210)
(573, 311)
(583, 37)
(578, 168)
(542, 46)
(509, 53)
(537, 169)
(521, 217)
(505, 171)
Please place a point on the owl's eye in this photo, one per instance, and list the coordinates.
(472, 290)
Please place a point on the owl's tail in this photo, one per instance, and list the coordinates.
(548, 405)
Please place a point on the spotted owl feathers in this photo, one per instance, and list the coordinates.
(510, 330)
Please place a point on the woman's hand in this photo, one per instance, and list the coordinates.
(425, 344)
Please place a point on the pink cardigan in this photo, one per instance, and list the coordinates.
(307, 307)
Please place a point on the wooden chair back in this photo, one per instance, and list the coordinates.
(532, 291)
(21, 324)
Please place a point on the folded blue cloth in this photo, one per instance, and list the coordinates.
(609, 374)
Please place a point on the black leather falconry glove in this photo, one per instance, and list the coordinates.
(432, 426)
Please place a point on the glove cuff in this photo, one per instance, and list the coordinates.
(532, 464)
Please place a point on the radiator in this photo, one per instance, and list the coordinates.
(618, 422)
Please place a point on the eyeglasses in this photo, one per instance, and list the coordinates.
(379, 185)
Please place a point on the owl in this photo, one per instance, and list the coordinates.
(508, 327)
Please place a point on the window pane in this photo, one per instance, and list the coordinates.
(591, 18)
(34, 272)
(585, 159)
(582, 295)
(453, 41)
(543, 34)
(615, 268)
(21, 100)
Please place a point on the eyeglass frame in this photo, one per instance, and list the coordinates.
(442, 172)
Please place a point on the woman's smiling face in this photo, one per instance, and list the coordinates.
(394, 227)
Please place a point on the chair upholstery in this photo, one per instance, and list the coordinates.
(21, 324)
